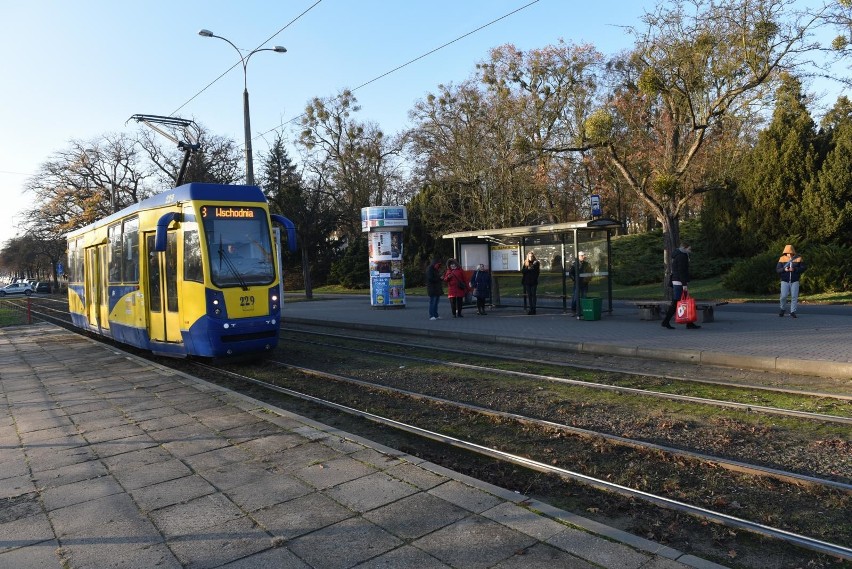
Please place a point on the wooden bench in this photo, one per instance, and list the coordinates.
(706, 309)
(651, 310)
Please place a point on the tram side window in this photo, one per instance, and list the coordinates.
(130, 238)
(73, 270)
(192, 266)
(114, 236)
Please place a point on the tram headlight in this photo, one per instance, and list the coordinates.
(216, 303)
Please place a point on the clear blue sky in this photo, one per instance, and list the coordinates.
(79, 69)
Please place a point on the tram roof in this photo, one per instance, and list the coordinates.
(544, 229)
(183, 193)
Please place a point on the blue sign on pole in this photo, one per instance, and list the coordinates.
(596, 205)
(60, 270)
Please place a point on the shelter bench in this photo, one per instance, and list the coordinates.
(651, 310)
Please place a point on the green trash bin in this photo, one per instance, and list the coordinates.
(591, 308)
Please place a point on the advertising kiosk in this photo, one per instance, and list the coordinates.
(384, 227)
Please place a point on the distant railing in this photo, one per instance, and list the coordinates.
(16, 311)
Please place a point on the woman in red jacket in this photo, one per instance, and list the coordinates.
(456, 286)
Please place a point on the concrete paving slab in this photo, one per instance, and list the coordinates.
(277, 557)
(541, 556)
(598, 550)
(486, 543)
(77, 492)
(26, 531)
(220, 544)
(416, 515)
(370, 492)
(134, 477)
(330, 473)
(303, 515)
(467, 497)
(169, 493)
(41, 555)
(405, 556)
(344, 544)
(194, 516)
(267, 491)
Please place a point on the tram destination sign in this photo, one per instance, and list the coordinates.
(228, 212)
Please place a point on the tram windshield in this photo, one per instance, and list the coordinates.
(238, 245)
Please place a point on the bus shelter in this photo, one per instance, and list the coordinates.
(502, 251)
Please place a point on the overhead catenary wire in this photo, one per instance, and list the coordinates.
(370, 81)
(236, 63)
(418, 58)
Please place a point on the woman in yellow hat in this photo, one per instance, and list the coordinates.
(790, 267)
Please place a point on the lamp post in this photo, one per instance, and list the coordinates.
(246, 118)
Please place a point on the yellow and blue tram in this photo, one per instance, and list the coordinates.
(191, 271)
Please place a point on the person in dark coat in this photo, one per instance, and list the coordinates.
(480, 282)
(456, 286)
(529, 279)
(434, 287)
(790, 267)
(579, 267)
(680, 279)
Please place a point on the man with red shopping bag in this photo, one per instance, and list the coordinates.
(679, 281)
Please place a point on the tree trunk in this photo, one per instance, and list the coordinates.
(306, 273)
(671, 241)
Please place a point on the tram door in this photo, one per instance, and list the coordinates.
(97, 302)
(163, 320)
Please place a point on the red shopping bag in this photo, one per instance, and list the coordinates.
(685, 313)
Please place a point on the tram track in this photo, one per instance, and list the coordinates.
(471, 350)
(751, 408)
(735, 466)
(839, 551)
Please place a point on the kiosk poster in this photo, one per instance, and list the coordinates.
(505, 258)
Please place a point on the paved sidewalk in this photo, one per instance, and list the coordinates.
(751, 336)
(111, 461)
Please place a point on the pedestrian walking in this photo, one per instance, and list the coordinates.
(790, 268)
(679, 281)
(434, 287)
(529, 279)
(456, 287)
(480, 282)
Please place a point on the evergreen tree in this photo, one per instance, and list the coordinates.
(313, 214)
(827, 202)
(782, 164)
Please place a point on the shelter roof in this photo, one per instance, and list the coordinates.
(531, 230)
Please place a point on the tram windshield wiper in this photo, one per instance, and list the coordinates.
(223, 256)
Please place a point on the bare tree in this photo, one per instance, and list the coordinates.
(217, 161)
(355, 162)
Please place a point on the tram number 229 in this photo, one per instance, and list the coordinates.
(246, 301)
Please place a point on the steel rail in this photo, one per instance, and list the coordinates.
(731, 521)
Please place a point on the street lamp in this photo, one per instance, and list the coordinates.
(246, 119)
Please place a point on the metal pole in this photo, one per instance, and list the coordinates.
(247, 124)
(246, 119)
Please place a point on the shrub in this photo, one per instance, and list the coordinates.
(352, 270)
(829, 268)
(755, 275)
